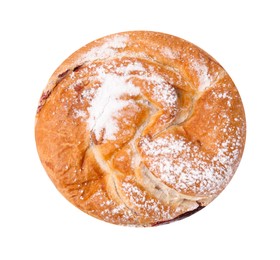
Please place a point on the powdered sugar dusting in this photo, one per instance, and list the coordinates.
(169, 53)
(202, 72)
(186, 167)
(131, 67)
(109, 209)
(79, 113)
(164, 93)
(106, 104)
(116, 82)
(139, 198)
(108, 49)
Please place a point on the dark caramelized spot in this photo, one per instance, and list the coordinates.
(77, 67)
(63, 74)
(78, 87)
(185, 215)
(43, 99)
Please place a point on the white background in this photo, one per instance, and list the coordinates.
(36, 222)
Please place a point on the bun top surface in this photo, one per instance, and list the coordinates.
(140, 127)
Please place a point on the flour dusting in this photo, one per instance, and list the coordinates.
(107, 103)
(108, 49)
(169, 53)
(139, 199)
(185, 166)
(202, 72)
(117, 91)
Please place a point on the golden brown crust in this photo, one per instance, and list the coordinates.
(138, 128)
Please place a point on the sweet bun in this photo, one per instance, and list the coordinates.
(140, 128)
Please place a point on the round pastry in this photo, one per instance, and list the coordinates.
(140, 128)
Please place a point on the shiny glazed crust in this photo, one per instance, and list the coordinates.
(140, 128)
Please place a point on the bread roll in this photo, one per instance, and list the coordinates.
(140, 128)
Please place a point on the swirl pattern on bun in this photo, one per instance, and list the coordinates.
(140, 128)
